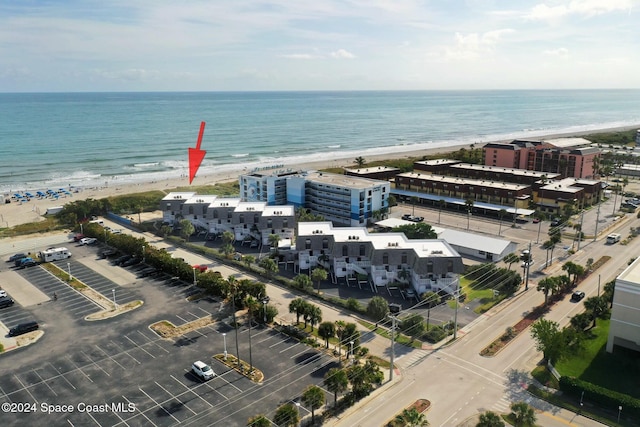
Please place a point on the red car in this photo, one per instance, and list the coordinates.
(78, 237)
(201, 268)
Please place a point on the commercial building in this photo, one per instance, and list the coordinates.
(624, 328)
(569, 157)
(266, 186)
(384, 173)
(383, 258)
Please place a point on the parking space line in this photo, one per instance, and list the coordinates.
(126, 352)
(121, 419)
(158, 405)
(204, 311)
(61, 375)
(26, 389)
(139, 412)
(223, 379)
(184, 320)
(289, 348)
(94, 363)
(154, 342)
(44, 382)
(5, 394)
(94, 420)
(190, 313)
(140, 347)
(196, 394)
(174, 397)
(78, 368)
(302, 352)
(112, 359)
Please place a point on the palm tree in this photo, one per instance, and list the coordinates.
(336, 381)
(286, 416)
(259, 421)
(341, 327)
(327, 330)
(318, 275)
(313, 397)
(547, 285)
(302, 281)
(414, 200)
(274, 241)
(359, 161)
(297, 306)
(523, 414)
(501, 214)
(510, 259)
(490, 419)
(248, 260)
(412, 418)
(313, 315)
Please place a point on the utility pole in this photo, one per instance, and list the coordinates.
(393, 339)
(528, 265)
(595, 233)
(455, 316)
(580, 231)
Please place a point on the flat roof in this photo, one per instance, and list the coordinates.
(470, 181)
(225, 202)
(567, 142)
(498, 169)
(372, 169)
(434, 162)
(567, 185)
(480, 242)
(250, 207)
(631, 274)
(342, 180)
(380, 241)
(177, 195)
(201, 198)
(279, 210)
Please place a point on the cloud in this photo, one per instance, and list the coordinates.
(299, 56)
(134, 74)
(588, 8)
(560, 52)
(474, 45)
(342, 54)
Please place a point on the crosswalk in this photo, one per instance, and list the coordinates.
(412, 358)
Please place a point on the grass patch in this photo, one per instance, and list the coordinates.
(544, 377)
(231, 188)
(618, 371)
(64, 276)
(50, 223)
(400, 338)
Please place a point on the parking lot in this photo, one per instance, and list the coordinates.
(141, 380)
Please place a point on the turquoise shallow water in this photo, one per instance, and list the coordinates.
(83, 139)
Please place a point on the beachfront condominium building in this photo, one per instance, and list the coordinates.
(568, 157)
(269, 185)
(215, 215)
(380, 259)
(624, 328)
(344, 200)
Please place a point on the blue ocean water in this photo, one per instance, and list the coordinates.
(86, 139)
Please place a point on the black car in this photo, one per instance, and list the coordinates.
(6, 302)
(28, 263)
(131, 261)
(23, 328)
(16, 257)
(407, 217)
(148, 271)
(417, 219)
(577, 296)
(122, 259)
(108, 253)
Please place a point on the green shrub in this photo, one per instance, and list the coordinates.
(600, 395)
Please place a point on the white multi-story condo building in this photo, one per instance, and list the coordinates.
(624, 329)
(385, 258)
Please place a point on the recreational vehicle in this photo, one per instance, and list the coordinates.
(55, 254)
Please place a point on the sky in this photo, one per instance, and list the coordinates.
(268, 45)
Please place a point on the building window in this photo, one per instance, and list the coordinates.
(269, 223)
(285, 223)
(307, 244)
(345, 250)
(450, 266)
(362, 250)
(429, 266)
(385, 258)
(191, 210)
(241, 219)
(404, 258)
(325, 243)
(215, 214)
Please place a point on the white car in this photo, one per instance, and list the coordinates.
(88, 241)
(202, 370)
(3, 293)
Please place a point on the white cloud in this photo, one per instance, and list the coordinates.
(299, 56)
(134, 74)
(474, 45)
(587, 8)
(560, 52)
(342, 54)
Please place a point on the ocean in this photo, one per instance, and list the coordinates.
(52, 140)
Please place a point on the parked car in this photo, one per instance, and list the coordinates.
(407, 217)
(108, 253)
(577, 296)
(28, 262)
(16, 257)
(417, 219)
(122, 259)
(21, 261)
(147, 271)
(23, 328)
(202, 370)
(88, 241)
(201, 268)
(3, 293)
(131, 261)
(536, 220)
(78, 237)
(6, 302)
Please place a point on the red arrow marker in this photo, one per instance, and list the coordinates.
(196, 155)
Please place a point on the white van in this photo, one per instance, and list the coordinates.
(97, 221)
(613, 238)
(54, 254)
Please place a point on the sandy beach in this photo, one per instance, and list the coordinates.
(15, 213)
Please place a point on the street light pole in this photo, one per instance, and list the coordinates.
(224, 338)
(235, 325)
(195, 283)
(351, 344)
(619, 411)
(115, 305)
(69, 270)
(393, 339)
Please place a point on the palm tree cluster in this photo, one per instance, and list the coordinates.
(311, 313)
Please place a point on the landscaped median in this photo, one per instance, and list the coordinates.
(108, 309)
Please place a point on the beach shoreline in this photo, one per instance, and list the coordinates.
(16, 213)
